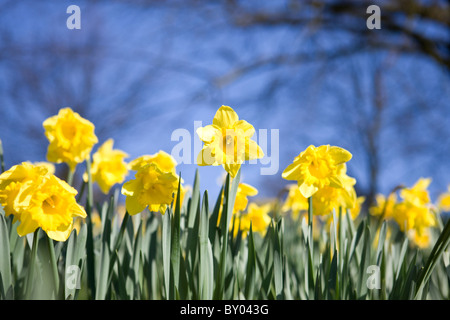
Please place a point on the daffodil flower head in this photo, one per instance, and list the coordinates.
(164, 161)
(39, 199)
(418, 193)
(71, 137)
(108, 166)
(14, 186)
(227, 142)
(443, 202)
(258, 216)
(53, 208)
(317, 167)
(414, 211)
(152, 188)
(244, 191)
(420, 238)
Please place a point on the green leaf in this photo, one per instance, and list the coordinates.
(332, 286)
(5, 259)
(166, 246)
(102, 284)
(228, 204)
(206, 264)
(277, 263)
(250, 277)
(356, 240)
(381, 240)
(195, 201)
(365, 261)
(214, 216)
(438, 249)
(175, 240)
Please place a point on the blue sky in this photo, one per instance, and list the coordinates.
(174, 57)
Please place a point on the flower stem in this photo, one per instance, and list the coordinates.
(119, 239)
(51, 250)
(310, 221)
(30, 275)
(122, 230)
(70, 176)
(311, 268)
(90, 194)
(90, 260)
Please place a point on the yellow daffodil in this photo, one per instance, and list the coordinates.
(408, 216)
(418, 194)
(53, 209)
(227, 142)
(414, 211)
(164, 161)
(316, 168)
(39, 199)
(295, 201)
(421, 239)
(15, 187)
(243, 191)
(258, 216)
(328, 198)
(152, 187)
(108, 166)
(443, 202)
(71, 138)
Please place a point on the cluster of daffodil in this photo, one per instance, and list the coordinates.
(413, 212)
(38, 199)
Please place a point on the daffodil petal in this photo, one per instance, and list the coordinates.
(307, 190)
(130, 187)
(336, 182)
(339, 155)
(206, 158)
(253, 151)
(225, 117)
(133, 206)
(244, 128)
(292, 171)
(247, 189)
(78, 211)
(27, 226)
(60, 235)
(207, 133)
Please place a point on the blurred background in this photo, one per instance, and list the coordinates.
(140, 69)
